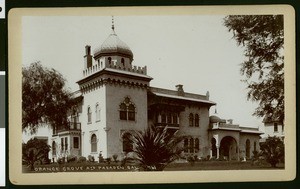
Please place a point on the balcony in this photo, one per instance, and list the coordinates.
(72, 126)
(169, 125)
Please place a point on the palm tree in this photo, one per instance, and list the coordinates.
(34, 151)
(155, 148)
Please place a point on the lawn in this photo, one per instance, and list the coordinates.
(219, 165)
(116, 167)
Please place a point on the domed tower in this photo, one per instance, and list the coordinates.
(114, 98)
(114, 51)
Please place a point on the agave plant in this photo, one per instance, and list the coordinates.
(155, 148)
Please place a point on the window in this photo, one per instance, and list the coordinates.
(275, 127)
(127, 144)
(89, 114)
(75, 142)
(123, 111)
(163, 118)
(66, 143)
(191, 119)
(93, 143)
(131, 112)
(169, 118)
(62, 144)
(196, 120)
(123, 61)
(109, 60)
(97, 112)
(175, 119)
(186, 145)
(197, 143)
(191, 147)
(53, 148)
(127, 110)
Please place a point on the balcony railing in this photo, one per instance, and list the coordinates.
(72, 126)
(167, 124)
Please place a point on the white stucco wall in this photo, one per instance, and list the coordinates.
(115, 95)
(91, 98)
(196, 132)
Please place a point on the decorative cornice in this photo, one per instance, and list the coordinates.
(92, 85)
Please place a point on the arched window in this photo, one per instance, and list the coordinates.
(163, 118)
(53, 148)
(123, 111)
(127, 110)
(93, 143)
(191, 145)
(191, 119)
(89, 114)
(186, 145)
(169, 118)
(123, 62)
(97, 112)
(127, 144)
(197, 145)
(131, 112)
(196, 120)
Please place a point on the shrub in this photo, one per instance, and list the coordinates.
(272, 150)
(81, 159)
(61, 160)
(115, 157)
(208, 157)
(91, 158)
(108, 160)
(100, 157)
(123, 161)
(163, 142)
(34, 151)
(71, 158)
(191, 160)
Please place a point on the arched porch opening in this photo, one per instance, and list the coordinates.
(247, 148)
(213, 148)
(228, 148)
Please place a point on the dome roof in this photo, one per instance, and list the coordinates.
(215, 119)
(113, 45)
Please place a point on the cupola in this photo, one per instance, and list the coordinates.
(113, 46)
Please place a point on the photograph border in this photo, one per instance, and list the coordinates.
(14, 78)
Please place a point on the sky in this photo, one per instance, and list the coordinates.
(196, 51)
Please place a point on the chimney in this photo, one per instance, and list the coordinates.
(230, 121)
(207, 95)
(87, 57)
(180, 91)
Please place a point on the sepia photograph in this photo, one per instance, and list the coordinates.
(155, 91)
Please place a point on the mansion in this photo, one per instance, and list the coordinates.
(115, 97)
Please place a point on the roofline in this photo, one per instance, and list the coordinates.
(117, 73)
(184, 98)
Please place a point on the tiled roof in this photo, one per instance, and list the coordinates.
(113, 45)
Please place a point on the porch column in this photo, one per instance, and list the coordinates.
(238, 153)
(210, 153)
(178, 118)
(218, 154)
